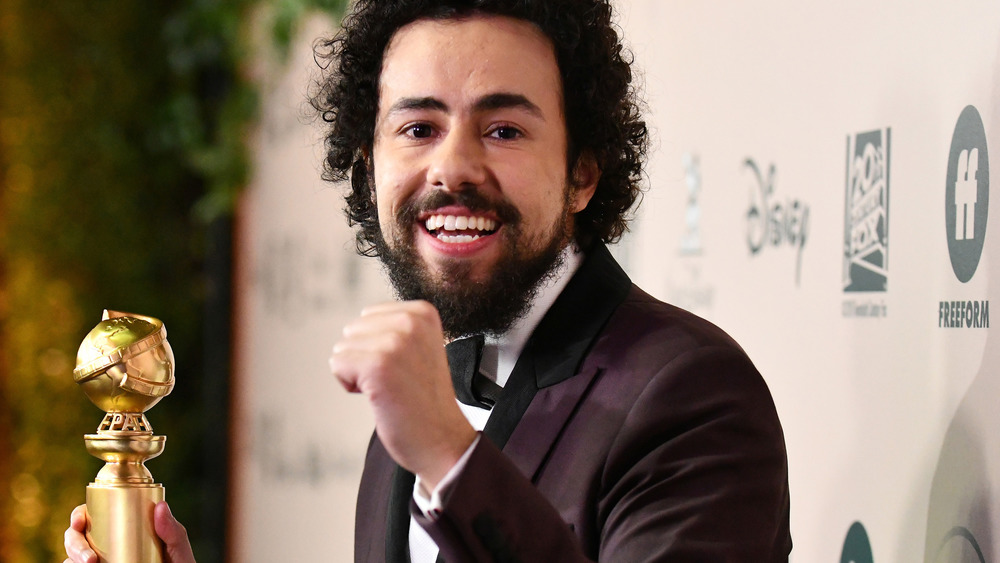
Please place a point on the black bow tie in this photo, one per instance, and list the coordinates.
(471, 387)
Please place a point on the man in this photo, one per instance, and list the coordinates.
(493, 148)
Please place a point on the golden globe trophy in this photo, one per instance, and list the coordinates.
(125, 366)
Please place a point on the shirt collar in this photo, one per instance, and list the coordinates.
(501, 353)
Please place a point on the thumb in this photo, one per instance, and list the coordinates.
(177, 548)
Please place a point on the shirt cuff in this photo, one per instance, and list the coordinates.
(431, 504)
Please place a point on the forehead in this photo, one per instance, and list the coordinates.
(456, 59)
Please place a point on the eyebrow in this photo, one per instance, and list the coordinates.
(503, 100)
(410, 104)
(489, 102)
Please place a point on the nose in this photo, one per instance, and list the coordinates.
(457, 162)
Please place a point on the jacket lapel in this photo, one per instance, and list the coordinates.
(542, 391)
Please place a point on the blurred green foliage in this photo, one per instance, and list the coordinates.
(122, 151)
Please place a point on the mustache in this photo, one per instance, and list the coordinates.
(473, 199)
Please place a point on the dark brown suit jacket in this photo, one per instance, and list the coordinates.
(630, 430)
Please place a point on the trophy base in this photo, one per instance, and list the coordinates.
(120, 527)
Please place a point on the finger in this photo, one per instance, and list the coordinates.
(380, 323)
(77, 548)
(78, 518)
(362, 351)
(356, 365)
(173, 534)
(391, 326)
(422, 310)
(410, 317)
(347, 379)
(416, 305)
(358, 356)
(392, 307)
(378, 340)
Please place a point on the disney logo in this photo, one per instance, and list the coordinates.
(772, 222)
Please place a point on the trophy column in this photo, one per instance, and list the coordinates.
(125, 366)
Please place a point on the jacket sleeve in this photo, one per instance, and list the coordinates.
(696, 471)
(492, 514)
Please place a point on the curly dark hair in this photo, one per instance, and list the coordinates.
(601, 104)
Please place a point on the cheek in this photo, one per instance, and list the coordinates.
(384, 215)
(541, 196)
(388, 193)
(541, 208)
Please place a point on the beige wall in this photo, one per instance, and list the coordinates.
(301, 439)
(886, 419)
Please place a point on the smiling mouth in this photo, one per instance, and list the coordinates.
(459, 228)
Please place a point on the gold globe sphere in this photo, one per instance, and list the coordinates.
(125, 363)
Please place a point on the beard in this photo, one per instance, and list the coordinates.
(466, 306)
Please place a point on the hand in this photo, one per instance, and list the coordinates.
(394, 354)
(177, 549)
(78, 550)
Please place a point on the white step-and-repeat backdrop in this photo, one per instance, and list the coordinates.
(819, 186)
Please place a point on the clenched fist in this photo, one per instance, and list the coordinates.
(394, 355)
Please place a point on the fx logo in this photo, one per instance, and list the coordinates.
(967, 194)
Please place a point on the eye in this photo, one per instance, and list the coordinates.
(505, 132)
(419, 130)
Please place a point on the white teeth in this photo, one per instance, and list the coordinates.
(459, 223)
(457, 238)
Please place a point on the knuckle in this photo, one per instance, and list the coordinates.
(427, 309)
(394, 341)
(406, 324)
(380, 364)
(430, 315)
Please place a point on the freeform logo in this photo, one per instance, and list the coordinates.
(964, 314)
(967, 194)
(771, 222)
(966, 209)
(866, 216)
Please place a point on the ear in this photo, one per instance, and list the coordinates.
(366, 157)
(586, 174)
(367, 165)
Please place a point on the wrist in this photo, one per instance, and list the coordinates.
(449, 453)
